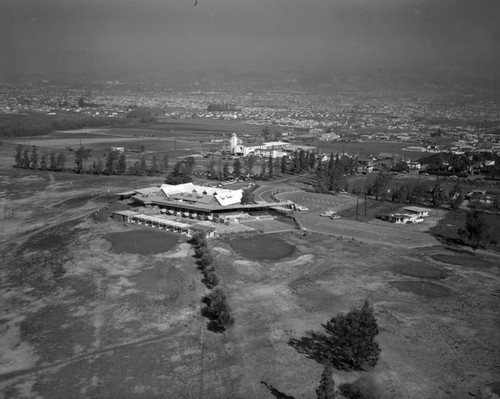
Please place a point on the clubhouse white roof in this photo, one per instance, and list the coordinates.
(202, 194)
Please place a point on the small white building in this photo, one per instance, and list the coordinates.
(329, 137)
(272, 148)
(402, 218)
(417, 210)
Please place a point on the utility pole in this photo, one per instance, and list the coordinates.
(357, 206)
(366, 195)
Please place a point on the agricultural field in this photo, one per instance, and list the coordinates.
(372, 148)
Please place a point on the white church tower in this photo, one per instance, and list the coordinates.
(233, 143)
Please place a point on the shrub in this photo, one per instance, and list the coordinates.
(363, 388)
(200, 251)
(211, 279)
(198, 240)
(206, 259)
(217, 310)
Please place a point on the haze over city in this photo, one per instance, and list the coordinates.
(258, 36)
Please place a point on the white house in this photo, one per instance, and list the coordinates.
(416, 210)
(402, 218)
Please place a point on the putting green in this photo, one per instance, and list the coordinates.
(423, 288)
(144, 241)
(462, 260)
(262, 247)
(420, 270)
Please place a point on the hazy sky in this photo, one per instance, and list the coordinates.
(254, 35)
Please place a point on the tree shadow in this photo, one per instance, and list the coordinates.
(446, 240)
(276, 393)
(313, 346)
(319, 348)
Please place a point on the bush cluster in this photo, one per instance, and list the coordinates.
(364, 387)
(217, 310)
(205, 260)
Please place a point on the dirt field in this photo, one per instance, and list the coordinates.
(81, 320)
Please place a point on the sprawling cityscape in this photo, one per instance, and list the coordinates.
(471, 123)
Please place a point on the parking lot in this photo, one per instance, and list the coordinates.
(316, 202)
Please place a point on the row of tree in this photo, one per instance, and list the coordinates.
(331, 176)
(182, 172)
(423, 193)
(205, 261)
(460, 163)
(433, 194)
(222, 171)
(114, 163)
(216, 305)
(26, 159)
(301, 161)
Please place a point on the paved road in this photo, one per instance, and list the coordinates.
(263, 193)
